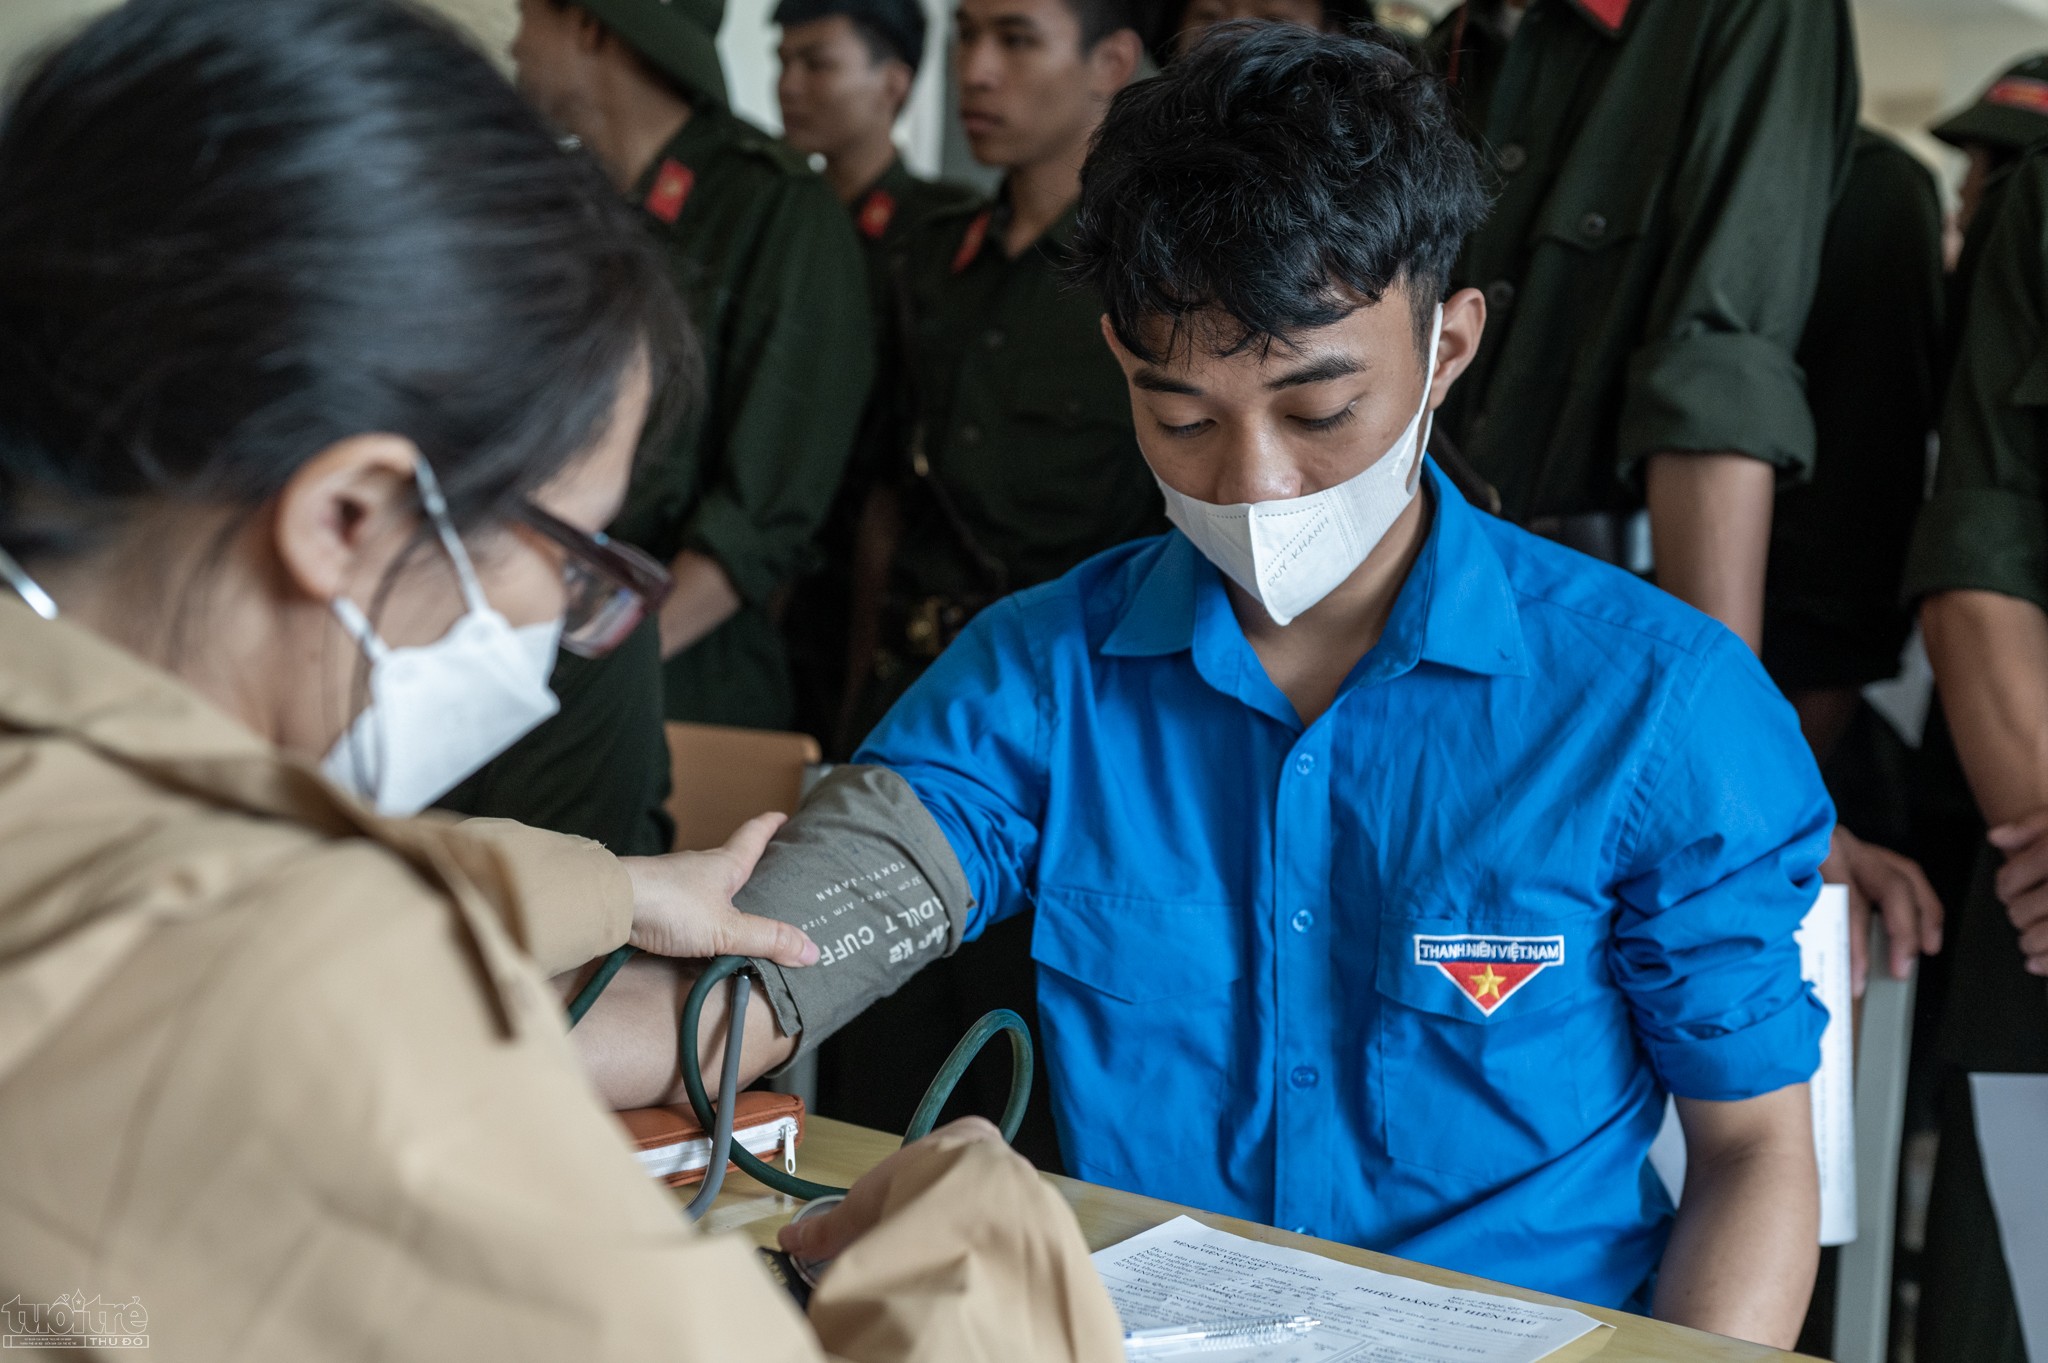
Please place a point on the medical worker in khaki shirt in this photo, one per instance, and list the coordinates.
(316, 355)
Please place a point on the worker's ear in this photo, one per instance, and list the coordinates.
(1458, 343)
(343, 518)
(1114, 61)
(897, 78)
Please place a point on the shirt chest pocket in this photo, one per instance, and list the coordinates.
(1137, 952)
(1486, 1024)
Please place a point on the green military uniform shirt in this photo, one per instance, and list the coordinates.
(1986, 529)
(766, 262)
(885, 219)
(1023, 419)
(1664, 174)
(772, 275)
(1871, 355)
(1020, 460)
(1023, 462)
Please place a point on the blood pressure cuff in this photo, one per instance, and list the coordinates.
(866, 873)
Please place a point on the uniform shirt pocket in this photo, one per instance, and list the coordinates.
(1136, 951)
(1488, 1023)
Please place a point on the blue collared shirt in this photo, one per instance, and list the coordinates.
(1416, 976)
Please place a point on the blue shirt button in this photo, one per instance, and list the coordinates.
(1303, 1077)
(1305, 763)
(1304, 1230)
(1303, 920)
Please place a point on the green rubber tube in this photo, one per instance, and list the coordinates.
(921, 1123)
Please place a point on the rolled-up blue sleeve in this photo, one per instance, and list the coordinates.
(970, 737)
(1731, 822)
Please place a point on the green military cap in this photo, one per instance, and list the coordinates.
(2011, 114)
(679, 36)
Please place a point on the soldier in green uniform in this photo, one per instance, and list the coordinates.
(767, 262)
(1019, 461)
(1665, 170)
(847, 70)
(1979, 568)
(1833, 619)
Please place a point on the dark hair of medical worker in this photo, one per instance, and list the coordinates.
(234, 232)
(1192, 214)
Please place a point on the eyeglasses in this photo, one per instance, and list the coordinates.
(612, 587)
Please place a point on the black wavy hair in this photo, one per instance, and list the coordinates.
(234, 232)
(1270, 182)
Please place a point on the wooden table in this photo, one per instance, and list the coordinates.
(834, 1152)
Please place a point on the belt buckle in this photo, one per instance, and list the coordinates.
(933, 623)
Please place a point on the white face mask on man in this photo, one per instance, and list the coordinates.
(440, 711)
(1292, 552)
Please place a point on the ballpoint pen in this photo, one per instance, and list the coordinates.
(1207, 1336)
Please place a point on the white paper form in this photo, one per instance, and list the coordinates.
(1185, 1271)
(1824, 961)
(2012, 1131)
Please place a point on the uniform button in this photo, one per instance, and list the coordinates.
(970, 435)
(1500, 295)
(1305, 764)
(1593, 226)
(1513, 157)
(993, 338)
(1302, 921)
(1303, 1077)
(1305, 1230)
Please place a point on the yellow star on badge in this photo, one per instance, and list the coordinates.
(1485, 984)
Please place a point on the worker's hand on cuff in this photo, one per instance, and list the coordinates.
(819, 1238)
(682, 903)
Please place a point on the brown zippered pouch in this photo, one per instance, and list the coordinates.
(674, 1147)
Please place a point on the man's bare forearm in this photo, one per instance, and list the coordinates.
(703, 599)
(1710, 530)
(1990, 653)
(627, 1042)
(1743, 1251)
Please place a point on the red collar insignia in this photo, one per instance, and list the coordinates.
(672, 185)
(970, 245)
(1489, 970)
(877, 211)
(2020, 92)
(1609, 14)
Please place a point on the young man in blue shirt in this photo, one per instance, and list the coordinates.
(1390, 864)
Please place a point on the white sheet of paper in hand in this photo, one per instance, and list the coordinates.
(2012, 1131)
(1185, 1271)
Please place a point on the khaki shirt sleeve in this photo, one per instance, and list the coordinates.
(333, 1151)
(569, 898)
(1986, 528)
(904, 1292)
(794, 380)
(1767, 149)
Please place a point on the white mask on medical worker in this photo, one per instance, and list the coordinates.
(440, 711)
(1292, 552)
